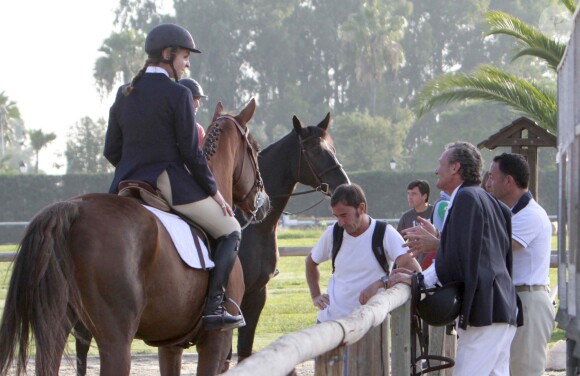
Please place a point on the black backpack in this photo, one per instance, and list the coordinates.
(377, 243)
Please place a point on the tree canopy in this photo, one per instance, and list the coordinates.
(364, 61)
(84, 148)
(487, 83)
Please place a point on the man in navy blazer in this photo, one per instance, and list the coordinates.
(475, 249)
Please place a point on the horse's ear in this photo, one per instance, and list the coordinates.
(297, 124)
(246, 114)
(219, 108)
(324, 123)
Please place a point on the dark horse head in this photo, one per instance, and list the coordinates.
(317, 164)
(248, 187)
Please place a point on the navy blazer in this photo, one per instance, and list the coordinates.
(153, 130)
(475, 249)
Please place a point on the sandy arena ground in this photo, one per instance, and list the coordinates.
(146, 365)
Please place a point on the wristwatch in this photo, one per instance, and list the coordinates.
(385, 280)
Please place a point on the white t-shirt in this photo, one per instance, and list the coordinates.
(356, 267)
(532, 228)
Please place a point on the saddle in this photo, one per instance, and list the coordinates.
(146, 194)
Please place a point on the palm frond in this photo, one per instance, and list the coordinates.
(541, 53)
(530, 38)
(570, 5)
(492, 85)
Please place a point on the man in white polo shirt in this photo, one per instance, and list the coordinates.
(531, 244)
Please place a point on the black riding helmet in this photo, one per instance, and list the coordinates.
(440, 306)
(168, 35)
(193, 86)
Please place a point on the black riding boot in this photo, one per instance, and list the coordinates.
(215, 315)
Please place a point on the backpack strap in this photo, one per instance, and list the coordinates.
(377, 243)
(378, 249)
(337, 234)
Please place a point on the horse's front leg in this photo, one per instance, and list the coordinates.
(170, 360)
(82, 343)
(213, 348)
(252, 306)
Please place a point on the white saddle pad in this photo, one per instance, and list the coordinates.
(183, 239)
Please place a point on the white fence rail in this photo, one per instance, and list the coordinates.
(281, 356)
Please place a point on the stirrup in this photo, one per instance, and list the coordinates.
(223, 320)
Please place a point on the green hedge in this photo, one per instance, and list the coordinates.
(387, 193)
(22, 196)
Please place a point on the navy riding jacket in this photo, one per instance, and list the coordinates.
(153, 130)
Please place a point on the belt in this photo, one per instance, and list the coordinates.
(531, 288)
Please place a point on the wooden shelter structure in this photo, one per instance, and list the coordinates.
(524, 137)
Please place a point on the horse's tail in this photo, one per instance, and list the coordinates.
(43, 296)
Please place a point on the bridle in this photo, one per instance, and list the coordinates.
(305, 150)
(209, 149)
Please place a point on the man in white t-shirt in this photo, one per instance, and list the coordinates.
(358, 275)
(531, 244)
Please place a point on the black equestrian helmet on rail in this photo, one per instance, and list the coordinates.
(441, 305)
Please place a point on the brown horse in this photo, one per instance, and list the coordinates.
(108, 262)
(306, 155)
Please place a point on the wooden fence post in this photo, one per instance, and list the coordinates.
(368, 356)
(450, 349)
(330, 363)
(400, 340)
(442, 343)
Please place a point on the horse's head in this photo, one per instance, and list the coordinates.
(232, 155)
(317, 164)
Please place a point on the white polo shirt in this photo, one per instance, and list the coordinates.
(532, 228)
(356, 267)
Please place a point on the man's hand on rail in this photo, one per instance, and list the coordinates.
(400, 275)
(370, 291)
(321, 301)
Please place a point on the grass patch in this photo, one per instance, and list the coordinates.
(299, 238)
(310, 233)
(288, 306)
(8, 248)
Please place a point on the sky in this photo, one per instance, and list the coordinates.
(49, 49)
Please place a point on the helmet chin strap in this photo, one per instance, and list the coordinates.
(169, 61)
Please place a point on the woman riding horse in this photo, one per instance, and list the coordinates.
(151, 137)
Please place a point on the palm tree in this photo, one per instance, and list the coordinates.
(38, 140)
(494, 85)
(8, 114)
(372, 35)
(123, 54)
